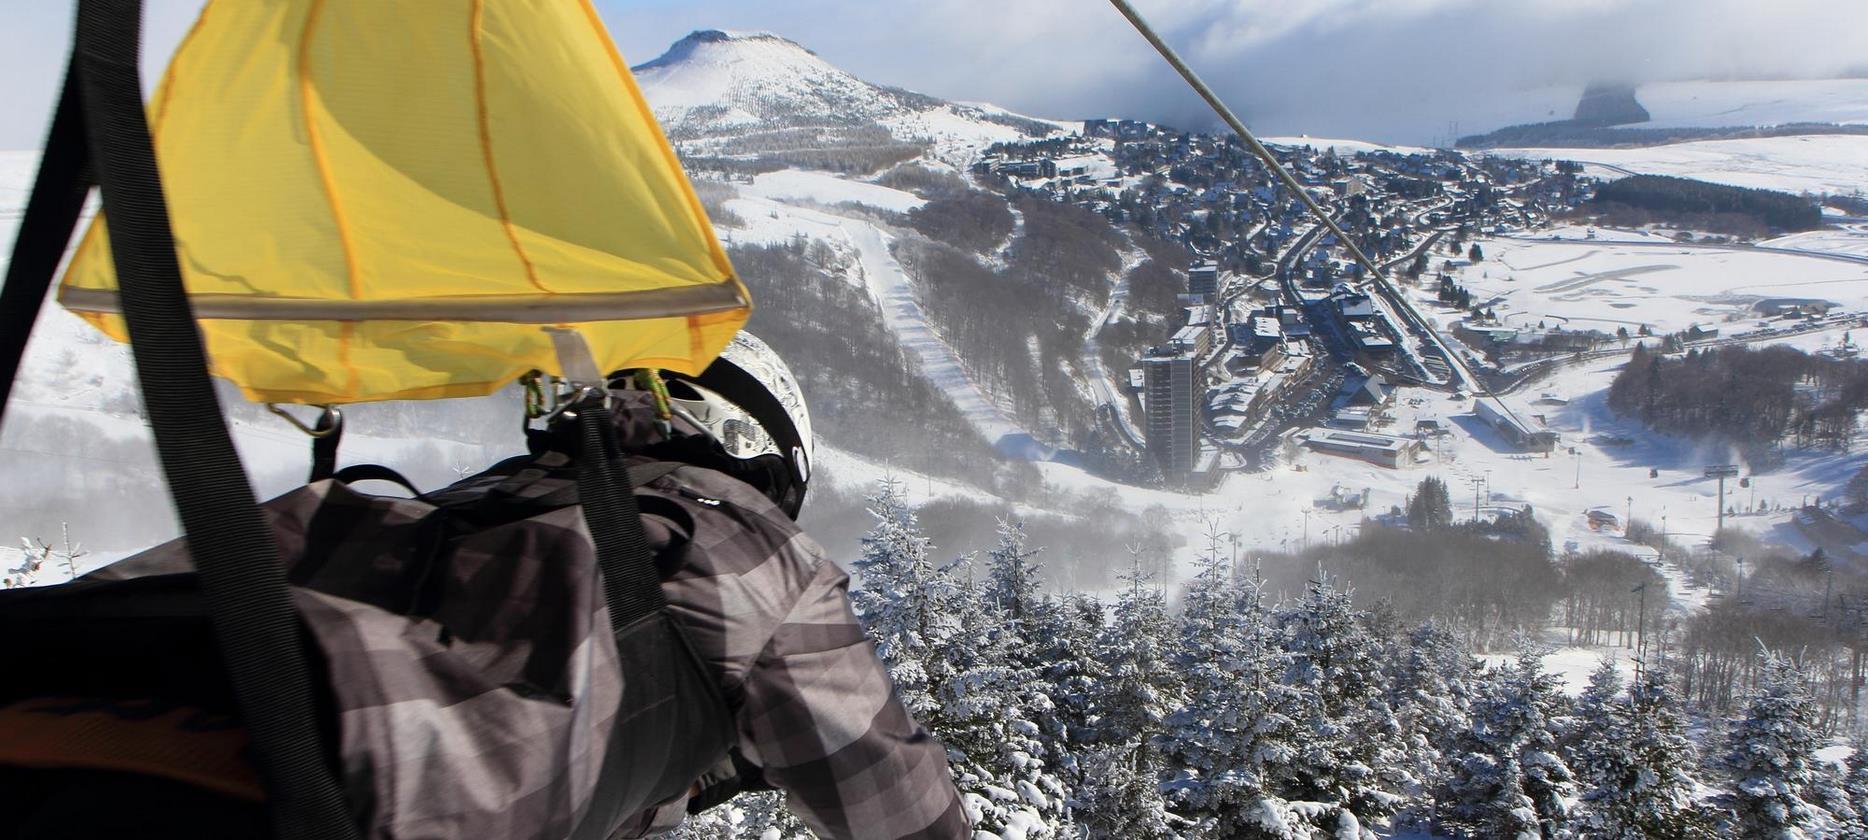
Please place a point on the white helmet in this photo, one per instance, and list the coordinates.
(749, 401)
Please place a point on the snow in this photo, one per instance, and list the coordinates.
(772, 222)
(1831, 163)
(1685, 104)
(713, 87)
(1344, 147)
(1603, 284)
(828, 189)
(1700, 104)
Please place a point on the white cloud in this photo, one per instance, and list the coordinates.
(1388, 69)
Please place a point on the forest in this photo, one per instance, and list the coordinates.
(863, 390)
(1752, 399)
(1018, 317)
(1230, 707)
(1683, 202)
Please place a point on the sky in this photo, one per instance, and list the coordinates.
(1410, 71)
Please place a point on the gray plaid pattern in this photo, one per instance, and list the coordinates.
(475, 696)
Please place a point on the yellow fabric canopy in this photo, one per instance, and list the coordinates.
(395, 199)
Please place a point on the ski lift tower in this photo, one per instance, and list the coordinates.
(1721, 472)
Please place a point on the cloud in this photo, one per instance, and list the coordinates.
(1400, 70)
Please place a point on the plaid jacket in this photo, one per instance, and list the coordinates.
(474, 694)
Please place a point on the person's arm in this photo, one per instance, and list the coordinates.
(821, 718)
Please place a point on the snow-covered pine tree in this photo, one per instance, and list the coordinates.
(1770, 758)
(1348, 754)
(902, 599)
(1593, 743)
(1854, 782)
(998, 756)
(1634, 761)
(1120, 796)
(749, 816)
(1120, 791)
(1507, 780)
(1430, 690)
(1014, 586)
(1141, 686)
(1063, 641)
(1231, 724)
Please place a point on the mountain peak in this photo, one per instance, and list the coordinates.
(737, 93)
(699, 44)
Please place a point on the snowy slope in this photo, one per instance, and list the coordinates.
(732, 92)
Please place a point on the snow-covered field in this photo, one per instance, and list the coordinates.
(1343, 147)
(1699, 104)
(1622, 279)
(828, 189)
(1826, 163)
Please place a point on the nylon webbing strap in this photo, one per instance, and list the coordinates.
(238, 563)
(51, 216)
(631, 586)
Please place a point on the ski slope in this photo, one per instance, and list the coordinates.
(769, 221)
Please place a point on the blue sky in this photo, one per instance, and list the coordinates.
(1380, 69)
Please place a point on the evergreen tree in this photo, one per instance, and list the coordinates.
(903, 600)
(1770, 758)
(1349, 755)
(1429, 689)
(1231, 725)
(1507, 780)
(1431, 506)
(1130, 703)
(1476, 254)
(1121, 797)
(1634, 760)
(1854, 782)
(1015, 586)
(1000, 760)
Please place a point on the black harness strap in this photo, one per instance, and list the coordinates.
(238, 563)
(51, 216)
(631, 585)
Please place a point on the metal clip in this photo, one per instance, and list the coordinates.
(329, 423)
(565, 406)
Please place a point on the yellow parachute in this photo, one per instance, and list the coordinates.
(399, 199)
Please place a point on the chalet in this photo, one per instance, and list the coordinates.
(1373, 392)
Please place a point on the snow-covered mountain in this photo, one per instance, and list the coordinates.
(737, 93)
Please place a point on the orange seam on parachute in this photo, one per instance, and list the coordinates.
(698, 214)
(486, 146)
(168, 76)
(317, 148)
(330, 189)
(347, 331)
(167, 86)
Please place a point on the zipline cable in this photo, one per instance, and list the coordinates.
(1284, 176)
